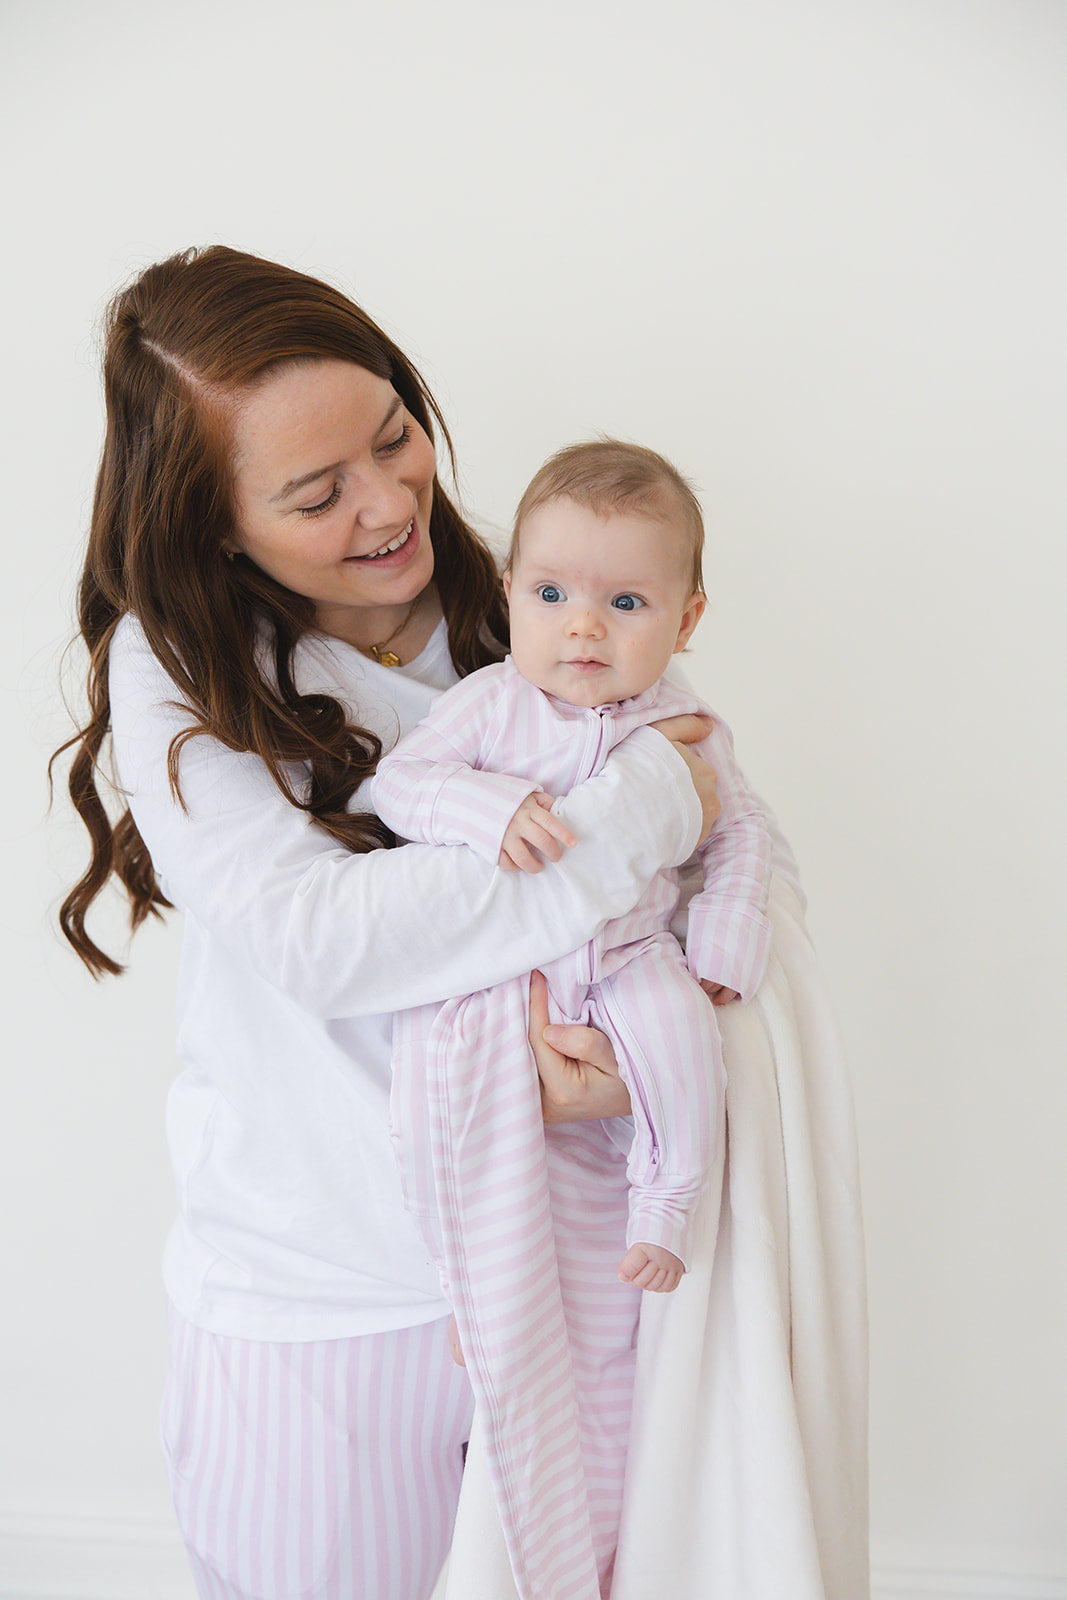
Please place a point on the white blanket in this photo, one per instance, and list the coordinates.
(747, 1470)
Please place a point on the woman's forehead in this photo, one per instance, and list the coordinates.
(293, 416)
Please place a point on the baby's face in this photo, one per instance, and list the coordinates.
(598, 604)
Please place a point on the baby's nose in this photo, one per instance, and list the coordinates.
(585, 623)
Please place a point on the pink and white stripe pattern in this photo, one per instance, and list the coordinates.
(323, 1470)
(499, 1250)
(531, 1231)
(515, 1240)
(492, 739)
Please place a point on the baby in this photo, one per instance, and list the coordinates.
(604, 587)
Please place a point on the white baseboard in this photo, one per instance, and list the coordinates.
(905, 1572)
(915, 1583)
(79, 1555)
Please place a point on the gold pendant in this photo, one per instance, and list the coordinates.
(388, 658)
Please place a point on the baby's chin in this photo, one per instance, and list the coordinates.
(588, 688)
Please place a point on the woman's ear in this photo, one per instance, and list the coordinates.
(692, 614)
(507, 584)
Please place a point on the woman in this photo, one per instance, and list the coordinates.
(276, 586)
(276, 583)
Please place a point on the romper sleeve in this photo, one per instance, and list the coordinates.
(431, 786)
(728, 935)
(346, 934)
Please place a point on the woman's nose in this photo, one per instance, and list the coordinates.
(384, 502)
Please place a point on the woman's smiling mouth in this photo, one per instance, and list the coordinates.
(388, 549)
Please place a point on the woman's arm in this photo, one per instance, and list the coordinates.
(435, 788)
(353, 935)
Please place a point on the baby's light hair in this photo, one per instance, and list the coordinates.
(610, 475)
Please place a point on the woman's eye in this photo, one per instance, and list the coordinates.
(627, 602)
(398, 443)
(323, 505)
(550, 594)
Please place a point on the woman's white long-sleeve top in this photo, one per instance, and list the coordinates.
(296, 953)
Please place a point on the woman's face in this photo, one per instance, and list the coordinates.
(334, 487)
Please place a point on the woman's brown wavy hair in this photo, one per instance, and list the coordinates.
(187, 336)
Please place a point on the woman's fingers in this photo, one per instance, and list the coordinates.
(576, 1065)
(689, 728)
(580, 1043)
(538, 1011)
(682, 732)
(704, 782)
(561, 1076)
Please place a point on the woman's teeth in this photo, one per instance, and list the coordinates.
(387, 549)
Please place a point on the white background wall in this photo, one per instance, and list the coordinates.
(814, 250)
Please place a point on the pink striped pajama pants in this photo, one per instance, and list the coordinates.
(529, 1226)
(315, 1471)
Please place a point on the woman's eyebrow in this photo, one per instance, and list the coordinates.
(300, 483)
(390, 414)
(320, 472)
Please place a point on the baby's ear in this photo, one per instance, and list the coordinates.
(692, 614)
(507, 583)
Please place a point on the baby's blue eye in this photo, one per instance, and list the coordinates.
(627, 602)
(550, 594)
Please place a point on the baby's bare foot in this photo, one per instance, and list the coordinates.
(649, 1266)
(454, 1344)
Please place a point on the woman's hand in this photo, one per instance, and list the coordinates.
(682, 732)
(579, 1074)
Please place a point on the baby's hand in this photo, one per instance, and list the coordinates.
(534, 836)
(649, 1266)
(718, 993)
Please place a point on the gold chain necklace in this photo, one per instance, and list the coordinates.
(380, 652)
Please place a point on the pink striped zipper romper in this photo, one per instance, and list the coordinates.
(526, 1224)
